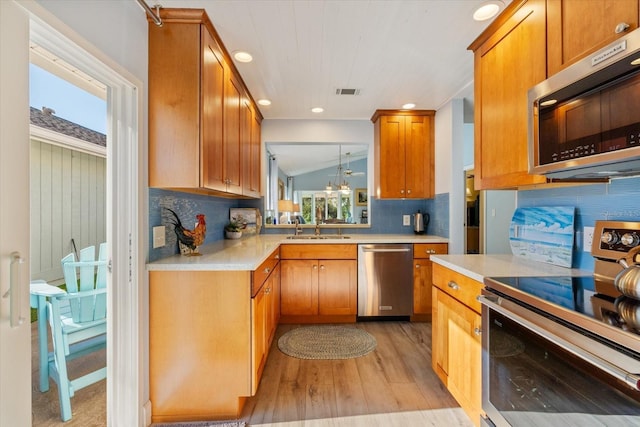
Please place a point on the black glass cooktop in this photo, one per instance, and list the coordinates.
(566, 291)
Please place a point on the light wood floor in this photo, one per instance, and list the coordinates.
(392, 386)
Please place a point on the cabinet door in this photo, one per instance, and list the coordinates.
(465, 357)
(274, 305)
(419, 134)
(251, 171)
(422, 281)
(391, 152)
(337, 287)
(212, 114)
(259, 307)
(507, 64)
(577, 27)
(232, 133)
(440, 335)
(299, 287)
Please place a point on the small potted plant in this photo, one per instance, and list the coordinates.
(233, 230)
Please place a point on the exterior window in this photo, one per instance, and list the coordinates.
(319, 207)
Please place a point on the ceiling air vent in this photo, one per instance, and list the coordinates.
(347, 91)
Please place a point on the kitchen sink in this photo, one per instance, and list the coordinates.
(318, 237)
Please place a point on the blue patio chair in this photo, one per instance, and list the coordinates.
(78, 320)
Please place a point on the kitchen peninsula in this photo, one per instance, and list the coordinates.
(217, 313)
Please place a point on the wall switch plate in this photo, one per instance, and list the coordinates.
(587, 238)
(406, 219)
(158, 236)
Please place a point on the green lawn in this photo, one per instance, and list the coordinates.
(34, 312)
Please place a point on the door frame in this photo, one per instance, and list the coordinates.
(127, 206)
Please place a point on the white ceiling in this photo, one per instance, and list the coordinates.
(393, 51)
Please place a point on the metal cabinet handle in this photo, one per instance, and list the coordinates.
(621, 27)
(322, 267)
(409, 191)
(453, 285)
(267, 270)
(401, 191)
(477, 331)
(277, 257)
(430, 251)
(315, 266)
(14, 293)
(417, 265)
(267, 291)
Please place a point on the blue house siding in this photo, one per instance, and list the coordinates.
(616, 201)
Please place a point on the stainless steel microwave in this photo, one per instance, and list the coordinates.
(584, 121)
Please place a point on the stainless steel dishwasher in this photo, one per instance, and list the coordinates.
(385, 280)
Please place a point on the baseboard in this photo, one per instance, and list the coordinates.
(146, 413)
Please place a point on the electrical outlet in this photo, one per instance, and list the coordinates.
(406, 219)
(158, 236)
(587, 238)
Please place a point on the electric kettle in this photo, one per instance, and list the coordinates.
(420, 222)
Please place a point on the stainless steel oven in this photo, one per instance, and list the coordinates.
(556, 351)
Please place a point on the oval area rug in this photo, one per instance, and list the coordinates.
(326, 342)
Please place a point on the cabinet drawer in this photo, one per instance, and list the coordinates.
(319, 251)
(425, 250)
(261, 274)
(457, 285)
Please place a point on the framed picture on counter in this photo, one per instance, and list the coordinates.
(361, 197)
(245, 216)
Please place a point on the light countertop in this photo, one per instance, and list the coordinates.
(477, 267)
(249, 252)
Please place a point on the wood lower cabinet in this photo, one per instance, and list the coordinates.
(404, 154)
(266, 314)
(200, 344)
(576, 28)
(456, 340)
(318, 283)
(509, 58)
(209, 337)
(422, 278)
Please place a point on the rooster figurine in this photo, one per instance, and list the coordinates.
(190, 239)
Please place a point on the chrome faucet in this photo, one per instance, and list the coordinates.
(296, 221)
(317, 230)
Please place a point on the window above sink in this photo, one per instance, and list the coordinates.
(327, 184)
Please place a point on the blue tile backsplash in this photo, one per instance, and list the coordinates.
(617, 201)
(386, 216)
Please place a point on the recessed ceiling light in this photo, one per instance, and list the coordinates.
(635, 61)
(264, 102)
(241, 56)
(317, 110)
(548, 102)
(409, 106)
(488, 10)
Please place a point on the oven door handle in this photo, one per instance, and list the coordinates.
(631, 379)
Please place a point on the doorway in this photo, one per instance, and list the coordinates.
(125, 215)
(472, 212)
(68, 121)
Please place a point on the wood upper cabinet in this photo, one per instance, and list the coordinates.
(404, 154)
(422, 278)
(456, 338)
(509, 58)
(197, 109)
(315, 287)
(251, 154)
(576, 28)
